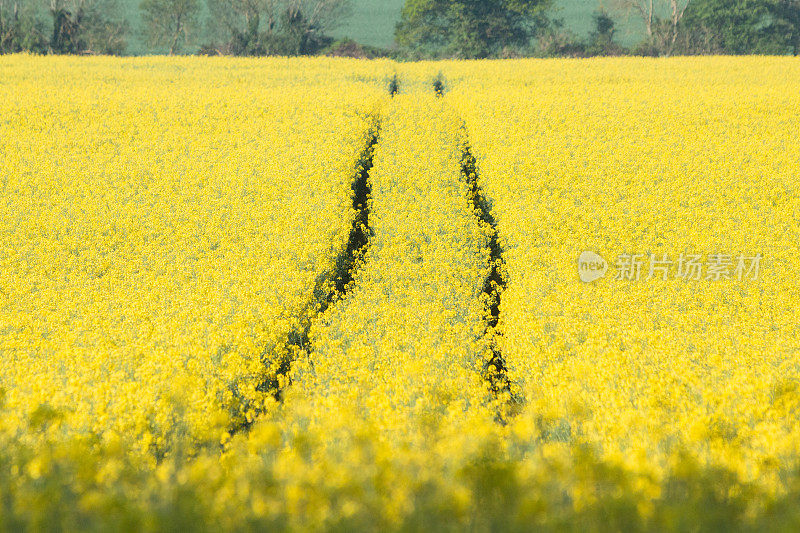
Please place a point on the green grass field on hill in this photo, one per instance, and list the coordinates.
(373, 22)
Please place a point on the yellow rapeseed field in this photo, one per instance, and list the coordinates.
(161, 240)
(662, 160)
(194, 337)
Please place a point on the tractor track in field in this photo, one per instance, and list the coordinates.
(337, 282)
(495, 370)
(333, 284)
(340, 278)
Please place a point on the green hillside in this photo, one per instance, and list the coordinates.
(577, 17)
(372, 22)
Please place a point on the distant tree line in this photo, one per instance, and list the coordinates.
(70, 27)
(236, 27)
(513, 28)
(427, 29)
(690, 27)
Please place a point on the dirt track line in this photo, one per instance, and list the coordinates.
(347, 262)
(495, 369)
(332, 285)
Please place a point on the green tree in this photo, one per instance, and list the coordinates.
(784, 24)
(243, 26)
(170, 23)
(601, 39)
(662, 22)
(21, 29)
(727, 27)
(305, 23)
(289, 27)
(87, 26)
(469, 28)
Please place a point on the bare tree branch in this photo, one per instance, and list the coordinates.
(325, 15)
(661, 19)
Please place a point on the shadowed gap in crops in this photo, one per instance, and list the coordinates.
(394, 86)
(333, 284)
(495, 369)
(438, 85)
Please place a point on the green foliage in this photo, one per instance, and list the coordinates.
(88, 26)
(556, 41)
(20, 28)
(301, 34)
(44, 416)
(273, 27)
(92, 484)
(428, 28)
(784, 27)
(741, 27)
(723, 26)
(394, 85)
(601, 39)
(350, 48)
(170, 23)
(469, 28)
(439, 85)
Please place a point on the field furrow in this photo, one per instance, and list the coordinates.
(331, 284)
(397, 366)
(495, 368)
(419, 291)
